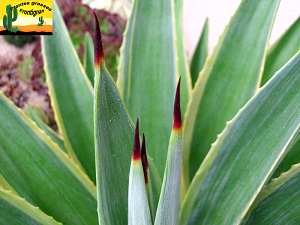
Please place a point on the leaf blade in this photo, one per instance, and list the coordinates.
(260, 139)
(35, 167)
(169, 201)
(147, 75)
(200, 54)
(15, 210)
(54, 136)
(221, 90)
(138, 206)
(88, 57)
(71, 95)
(281, 51)
(292, 157)
(182, 63)
(112, 154)
(280, 203)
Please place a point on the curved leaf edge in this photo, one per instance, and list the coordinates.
(30, 112)
(189, 198)
(32, 211)
(199, 88)
(275, 184)
(65, 158)
(261, 72)
(74, 50)
(57, 138)
(193, 189)
(191, 114)
(51, 91)
(5, 185)
(290, 159)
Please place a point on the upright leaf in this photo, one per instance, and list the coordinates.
(200, 54)
(154, 187)
(279, 201)
(88, 57)
(229, 78)
(113, 141)
(15, 210)
(182, 63)
(246, 153)
(35, 167)
(138, 207)
(148, 73)
(151, 188)
(169, 204)
(281, 51)
(71, 94)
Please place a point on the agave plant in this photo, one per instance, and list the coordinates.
(240, 128)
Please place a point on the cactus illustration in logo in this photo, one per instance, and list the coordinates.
(8, 19)
(41, 21)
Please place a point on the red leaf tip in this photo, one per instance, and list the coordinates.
(99, 53)
(177, 112)
(144, 159)
(136, 151)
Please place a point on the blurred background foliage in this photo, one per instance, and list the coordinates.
(22, 78)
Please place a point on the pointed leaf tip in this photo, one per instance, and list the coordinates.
(136, 151)
(144, 159)
(99, 53)
(177, 112)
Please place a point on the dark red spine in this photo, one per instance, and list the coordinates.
(144, 159)
(136, 151)
(177, 113)
(99, 53)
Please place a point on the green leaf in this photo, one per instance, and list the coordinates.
(113, 140)
(15, 210)
(228, 80)
(35, 167)
(54, 136)
(182, 63)
(169, 201)
(71, 95)
(246, 153)
(292, 157)
(138, 206)
(154, 187)
(200, 54)
(278, 202)
(148, 73)
(88, 57)
(281, 51)
(5, 185)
